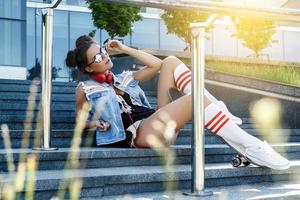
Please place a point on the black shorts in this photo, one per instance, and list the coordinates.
(121, 144)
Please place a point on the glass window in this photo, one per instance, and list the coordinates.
(223, 35)
(146, 33)
(60, 45)
(291, 46)
(75, 2)
(104, 35)
(13, 9)
(170, 41)
(41, 1)
(34, 42)
(12, 42)
(31, 40)
(81, 24)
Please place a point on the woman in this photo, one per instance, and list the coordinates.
(123, 117)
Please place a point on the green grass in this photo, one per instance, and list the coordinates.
(282, 74)
(277, 73)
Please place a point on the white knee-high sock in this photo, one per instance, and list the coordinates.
(210, 96)
(218, 122)
(183, 81)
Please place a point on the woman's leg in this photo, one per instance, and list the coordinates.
(166, 80)
(175, 74)
(176, 113)
(160, 129)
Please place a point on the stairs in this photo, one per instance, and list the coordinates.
(115, 171)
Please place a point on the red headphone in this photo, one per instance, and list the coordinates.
(102, 78)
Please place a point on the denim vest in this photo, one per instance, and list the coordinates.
(104, 104)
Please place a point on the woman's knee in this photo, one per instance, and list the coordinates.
(171, 62)
(152, 134)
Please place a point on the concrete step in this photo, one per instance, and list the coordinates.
(131, 180)
(283, 190)
(18, 97)
(26, 89)
(10, 82)
(271, 135)
(63, 118)
(63, 137)
(116, 157)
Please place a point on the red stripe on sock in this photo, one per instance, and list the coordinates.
(214, 126)
(211, 121)
(179, 86)
(186, 83)
(187, 71)
(216, 132)
(181, 75)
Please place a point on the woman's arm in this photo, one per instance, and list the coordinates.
(152, 63)
(80, 101)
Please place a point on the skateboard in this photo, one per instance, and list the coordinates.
(240, 160)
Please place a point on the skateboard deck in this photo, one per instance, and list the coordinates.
(240, 159)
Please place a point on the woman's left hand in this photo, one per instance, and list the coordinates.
(115, 47)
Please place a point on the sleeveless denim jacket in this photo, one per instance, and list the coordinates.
(104, 104)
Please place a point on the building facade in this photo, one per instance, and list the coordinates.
(12, 39)
(20, 36)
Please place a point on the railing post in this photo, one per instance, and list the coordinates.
(46, 75)
(198, 72)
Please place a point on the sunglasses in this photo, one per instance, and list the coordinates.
(98, 57)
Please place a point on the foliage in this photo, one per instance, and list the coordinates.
(116, 19)
(255, 33)
(178, 22)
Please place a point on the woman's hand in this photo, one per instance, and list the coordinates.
(102, 125)
(115, 47)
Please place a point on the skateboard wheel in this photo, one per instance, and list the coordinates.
(236, 161)
(246, 163)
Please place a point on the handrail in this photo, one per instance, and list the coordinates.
(46, 74)
(278, 14)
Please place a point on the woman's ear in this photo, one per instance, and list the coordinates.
(88, 69)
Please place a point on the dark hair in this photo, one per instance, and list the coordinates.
(78, 57)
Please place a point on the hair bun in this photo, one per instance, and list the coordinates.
(71, 59)
(83, 40)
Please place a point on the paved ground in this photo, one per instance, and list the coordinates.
(281, 190)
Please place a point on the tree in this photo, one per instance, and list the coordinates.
(116, 19)
(178, 22)
(255, 33)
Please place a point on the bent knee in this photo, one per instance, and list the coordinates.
(150, 137)
(172, 61)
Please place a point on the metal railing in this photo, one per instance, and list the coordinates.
(46, 74)
(198, 32)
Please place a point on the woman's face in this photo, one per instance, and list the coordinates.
(95, 67)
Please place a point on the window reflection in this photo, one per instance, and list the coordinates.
(60, 45)
(170, 41)
(69, 25)
(148, 28)
(11, 42)
(13, 9)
